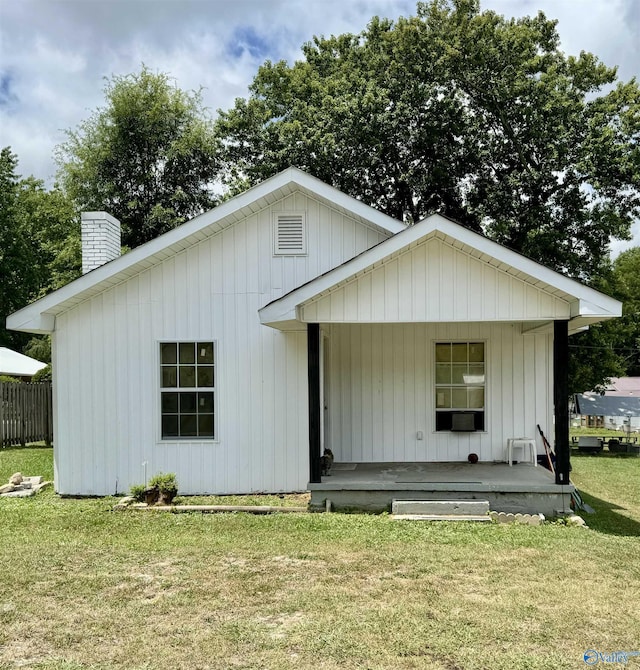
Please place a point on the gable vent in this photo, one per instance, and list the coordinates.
(290, 234)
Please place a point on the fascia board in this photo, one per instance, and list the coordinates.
(585, 308)
(31, 321)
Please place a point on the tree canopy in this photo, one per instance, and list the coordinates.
(39, 245)
(626, 273)
(460, 111)
(611, 348)
(148, 157)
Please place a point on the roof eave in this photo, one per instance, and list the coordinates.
(34, 319)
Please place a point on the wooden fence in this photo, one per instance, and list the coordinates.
(26, 413)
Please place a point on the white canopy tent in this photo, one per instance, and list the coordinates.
(15, 364)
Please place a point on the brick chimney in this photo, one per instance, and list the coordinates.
(100, 239)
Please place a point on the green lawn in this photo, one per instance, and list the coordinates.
(84, 587)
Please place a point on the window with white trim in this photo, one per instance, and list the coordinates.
(460, 385)
(289, 234)
(187, 390)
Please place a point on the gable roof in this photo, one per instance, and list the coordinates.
(39, 317)
(584, 305)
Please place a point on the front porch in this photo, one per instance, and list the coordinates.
(373, 486)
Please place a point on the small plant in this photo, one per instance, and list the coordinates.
(166, 485)
(137, 492)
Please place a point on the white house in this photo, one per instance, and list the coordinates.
(232, 349)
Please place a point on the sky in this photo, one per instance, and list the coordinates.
(56, 54)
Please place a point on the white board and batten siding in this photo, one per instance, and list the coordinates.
(380, 391)
(106, 355)
(434, 282)
(382, 326)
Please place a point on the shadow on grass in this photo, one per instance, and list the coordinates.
(33, 445)
(607, 519)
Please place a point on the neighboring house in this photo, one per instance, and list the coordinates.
(617, 408)
(628, 387)
(14, 364)
(232, 349)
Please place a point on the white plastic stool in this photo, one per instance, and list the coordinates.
(523, 443)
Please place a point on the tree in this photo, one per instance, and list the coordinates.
(148, 157)
(51, 221)
(464, 112)
(612, 348)
(626, 272)
(39, 247)
(18, 275)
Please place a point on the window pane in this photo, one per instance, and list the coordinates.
(476, 352)
(187, 376)
(443, 373)
(169, 376)
(169, 403)
(168, 353)
(459, 353)
(188, 403)
(187, 352)
(205, 425)
(458, 371)
(476, 398)
(205, 376)
(205, 403)
(459, 398)
(443, 353)
(205, 352)
(169, 426)
(443, 398)
(188, 425)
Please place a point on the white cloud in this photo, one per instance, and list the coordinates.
(617, 246)
(55, 54)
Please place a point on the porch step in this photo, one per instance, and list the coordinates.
(440, 517)
(439, 508)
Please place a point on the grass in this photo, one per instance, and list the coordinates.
(599, 432)
(83, 587)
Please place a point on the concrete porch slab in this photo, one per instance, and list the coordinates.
(520, 488)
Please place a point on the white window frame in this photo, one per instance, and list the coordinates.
(192, 389)
(435, 385)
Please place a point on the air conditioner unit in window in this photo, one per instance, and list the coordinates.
(463, 421)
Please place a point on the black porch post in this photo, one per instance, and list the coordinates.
(313, 368)
(561, 398)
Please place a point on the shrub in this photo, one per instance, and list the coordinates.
(137, 492)
(164, 482)
(43, 375)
